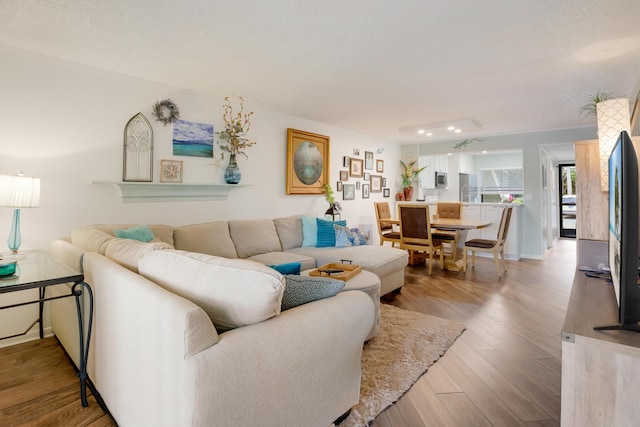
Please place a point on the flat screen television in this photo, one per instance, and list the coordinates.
(624, 216)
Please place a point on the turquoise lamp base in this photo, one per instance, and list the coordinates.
(15, 240)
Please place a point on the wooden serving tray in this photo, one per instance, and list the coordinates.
(348, 271)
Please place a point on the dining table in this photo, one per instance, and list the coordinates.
(460, 228)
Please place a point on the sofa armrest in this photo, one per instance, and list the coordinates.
(67, 253)
(300, 368)
(142, 335)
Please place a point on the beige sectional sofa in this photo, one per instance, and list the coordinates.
(160, 356)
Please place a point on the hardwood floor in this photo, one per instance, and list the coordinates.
(503, 371)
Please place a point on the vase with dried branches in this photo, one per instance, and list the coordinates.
(233, 139)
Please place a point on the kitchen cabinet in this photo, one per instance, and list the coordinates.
(465, 163)
(434, 163)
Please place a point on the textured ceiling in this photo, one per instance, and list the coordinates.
(373, 66)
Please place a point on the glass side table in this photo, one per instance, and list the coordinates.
(39, 269)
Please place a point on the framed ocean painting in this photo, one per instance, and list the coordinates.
(192, 139)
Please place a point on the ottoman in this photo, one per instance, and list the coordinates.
(368, 283)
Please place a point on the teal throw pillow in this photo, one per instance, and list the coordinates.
(288, 268)
(141, 233)
(326, 232)
(309, 231)
(300, 290)
(349, 236)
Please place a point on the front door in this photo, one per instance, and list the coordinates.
(567, 188)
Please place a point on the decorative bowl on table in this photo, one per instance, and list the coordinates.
(7, 268)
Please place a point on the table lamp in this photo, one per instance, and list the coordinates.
(18, 191)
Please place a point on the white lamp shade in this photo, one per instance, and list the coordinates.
(613, 118)
(19, 191)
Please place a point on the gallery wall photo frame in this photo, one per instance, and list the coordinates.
(355, 170)
(171, 170)
(344, 175)
(386, 192)
(339, 186)
(346, 161)
(376, 184)
(348, 192)
(367, 176)
(368, 160)
(307, 162)
(365, 191)
(379, 166)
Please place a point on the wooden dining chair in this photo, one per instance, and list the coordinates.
(415, 233)
(447, 210)
(494, 246)
(385, 224)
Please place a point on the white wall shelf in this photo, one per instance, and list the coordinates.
(136, 192)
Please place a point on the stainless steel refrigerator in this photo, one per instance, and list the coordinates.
(468, 184)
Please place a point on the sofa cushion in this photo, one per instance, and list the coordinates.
(346, 236)
(326, 232)
(233, 292)
(309, 231)
(290, 231)
(211, 238)
(128, 253)
(380, 260)
(272, 258)
(304, 289)
(141, 233)
(91, 240)
(163, 232)
(255, 236)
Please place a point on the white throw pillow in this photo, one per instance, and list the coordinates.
(128, 253)
(91, 240)
(233, 292)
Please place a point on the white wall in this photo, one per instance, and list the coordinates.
(64, 123)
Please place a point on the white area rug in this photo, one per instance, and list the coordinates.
(407, 344)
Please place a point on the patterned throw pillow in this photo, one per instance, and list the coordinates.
(349, 237)
(300, 290)
(326, 232)
(141, 233)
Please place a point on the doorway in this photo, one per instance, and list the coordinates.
(567, 197)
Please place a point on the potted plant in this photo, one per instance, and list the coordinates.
(409, 173)
(233, 139)
(333, 213)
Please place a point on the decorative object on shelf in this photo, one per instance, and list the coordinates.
(166, 111)
(18, 191)
(409, 173)
(138, 150)
(232, 174)
(400, 196)
(379, 166)
(368, 160)
(348, 192)
(233, 139)
(307, 162)
(355, 169)
(192, 139)
(613, 117)
(333, 213)
(170, 170)
(460, 145)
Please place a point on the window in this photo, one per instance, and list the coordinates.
(501, 185)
